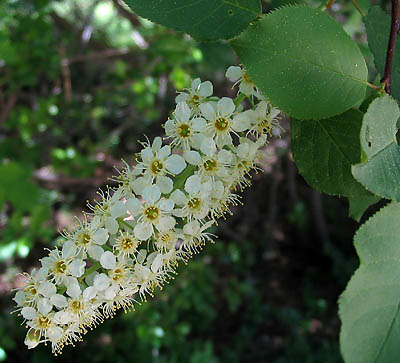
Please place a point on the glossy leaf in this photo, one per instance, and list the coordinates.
(202, 19)
(381, 172)
(369, 307)
(304, 62)
(324, 151)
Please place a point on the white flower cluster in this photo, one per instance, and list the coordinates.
(158, 215)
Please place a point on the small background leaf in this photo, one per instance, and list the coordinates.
(202, 19)
(377, 25)
(304, 62)
(369, 307)
(324, 151)
(381, 172)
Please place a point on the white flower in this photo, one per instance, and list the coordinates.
(184, 131)
(155, 212)
(246, 85)
(108, 260)
(157, 162)
(196, 95)
(220, 123)
(194, 204)
(263, 119)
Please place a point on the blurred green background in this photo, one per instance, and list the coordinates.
(81, 81)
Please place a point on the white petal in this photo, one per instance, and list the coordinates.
(165, 183)
(175, 164)
(241, 122)
(182, 97)
(191, 228)
(166, 223)
(164, 152)
(101, 236)
(134, 206)
(58, 301)
(89, 293)
(141, 256)
(208, 110)
(192, 157)
(62, 317)
(69, 249)
(225, 106)
(31, 340)
(109, 294)
(196, 83)
(233, 73)
(95, 252)
(47, 289)
(108, 261)
(192, 184)
(44, 306)
(169, 127)
(143, 231)
(147, 154)
(208, 146)
(118, 209)
(182, 112)
(225, 156)
(206, 89)
(112, 225)
(73, 289)
(28, 313)
(151, 194)
(157, 263)
(178, 197)
(101, 282)
(157, 144)
(77, 267)
(166, 205)
(199, 124)
(19, 298)
(55, 333)
(139, 184)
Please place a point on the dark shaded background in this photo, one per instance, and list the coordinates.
(81, 81)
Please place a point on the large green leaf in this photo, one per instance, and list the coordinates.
(202, 19)
(369, 307)
(304, 62)
(377, 25)
(324, 151)
(381, 172)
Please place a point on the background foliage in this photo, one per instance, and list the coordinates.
(80, 82)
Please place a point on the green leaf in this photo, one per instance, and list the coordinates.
(359, 204)
(377, 25)
(380, 173)
(304, 62)
(324, 151)
(369, 307)
(202, 19)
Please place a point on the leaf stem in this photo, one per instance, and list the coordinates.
(394, 28)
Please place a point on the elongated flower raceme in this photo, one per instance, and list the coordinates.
(134, 237)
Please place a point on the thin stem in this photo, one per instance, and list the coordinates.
(358, 7)
(394, 28)
(239, 99)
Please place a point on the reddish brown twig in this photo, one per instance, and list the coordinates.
(394, 28)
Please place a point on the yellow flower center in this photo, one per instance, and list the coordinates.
(151, 213)
(60, 267)
(117, 274)
(156, 166)
(221, 123)
(43, 322)
(83, 239)
(127, 243)
(76, 306)
(183, 130)
(210, 164)
(194, 203)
